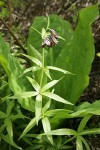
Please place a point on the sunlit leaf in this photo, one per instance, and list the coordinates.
(90, 131)
(79, 145)
(58, 69)
(4, 63)
(83, 122)
(44, 34)
(31, 124)
(56, 98)
(58, 113)
(34, 68)
(34, 84)
(38, 107)
(62, 132)
(25, 95)
(85, 143)
(47, 72)
(33, 59)
(47, 128)
(46, 106)
(49, 85)
(34, 52)
(98, 54)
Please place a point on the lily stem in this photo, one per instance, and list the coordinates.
(42, 68)
(51, 56)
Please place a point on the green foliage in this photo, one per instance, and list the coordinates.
(14, 70)
(3, 10)
(75, 54)
(39, 90)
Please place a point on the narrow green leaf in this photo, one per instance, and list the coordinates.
(85, 143)
(59, 69)
(56, 98)
(79, 145)
(33, 59)
(38, 107)
(90, 131)
(34, 68)
(4, 63)
(43, 33)
(2, 128)
(10, 105)
(6, 138)
(2, 114)
(98, 54)
(3, 84)
(9, 128)
(58, 113)
(27, 103)
(36, 30)
(27, 141)
(49, 85)
(31, 124)
(46, 106)
(35, 53)
(25, 94)
(36, 136)
(80, 113)
(47, 128)
(82, 106)
(14, 117)
(62, 132)
(47, 72)
(83, 123)
(34, 84)
(36, 147)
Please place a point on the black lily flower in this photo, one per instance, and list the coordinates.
(51, 39)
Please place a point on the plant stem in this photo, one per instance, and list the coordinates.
(68, 140)
(42, 68)
(51, 56)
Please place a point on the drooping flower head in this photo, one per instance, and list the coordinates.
(51, 39)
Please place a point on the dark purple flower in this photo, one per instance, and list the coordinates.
(51, 39)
